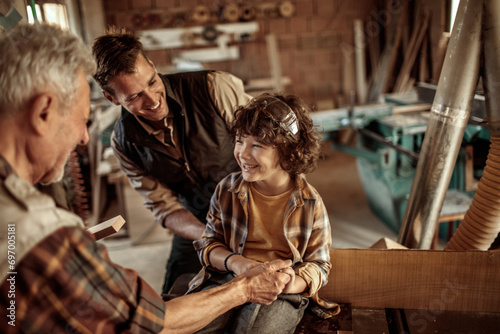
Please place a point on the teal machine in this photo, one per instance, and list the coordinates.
(387, 147)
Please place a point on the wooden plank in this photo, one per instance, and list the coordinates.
(360, 61)
(424, 61)
(265, 84)
(411, 55)
(386, 243)
(107, 227)
(411, 108)
(415, 279)
(373, 49)
(440, 55)
(381, 78)
(348, 80)
(471, 183)
(394, 51)
(274, 61)
(451, 217)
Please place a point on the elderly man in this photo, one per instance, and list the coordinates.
(55, 277)
(172, 139)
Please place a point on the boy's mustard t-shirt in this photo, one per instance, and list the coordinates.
(266, 237)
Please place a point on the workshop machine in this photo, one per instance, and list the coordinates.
(387, 145)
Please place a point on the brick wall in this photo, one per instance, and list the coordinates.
(315, 43)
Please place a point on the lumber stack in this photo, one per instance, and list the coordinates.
(408, 50)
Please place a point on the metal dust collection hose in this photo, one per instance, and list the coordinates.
(481, 223)
(449, 116)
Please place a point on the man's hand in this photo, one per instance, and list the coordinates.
(265, 282)
(262, 285)
(289, 286)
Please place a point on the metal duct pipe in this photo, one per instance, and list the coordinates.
(481, 223)
(449, 115)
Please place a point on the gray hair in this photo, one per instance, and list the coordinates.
(40, 58)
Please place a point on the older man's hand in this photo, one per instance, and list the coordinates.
(265, 282)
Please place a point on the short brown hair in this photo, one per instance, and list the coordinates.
(115, 53)
(281, 121)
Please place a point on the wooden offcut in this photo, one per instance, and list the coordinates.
(440, 51)
(411, 54)
(386, 243)
(359, 58)
(415, 279)
(387, 61)
(107, 227)
(411, 108)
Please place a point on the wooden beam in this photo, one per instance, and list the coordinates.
(360, 61)
(274, 61)
(387, 61)
(471, 183)
(424, 67)
(107, 227)
(411, 108)
(440, 55)
(412, 52)
(415, 279)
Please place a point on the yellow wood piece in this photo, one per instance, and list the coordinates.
(107, 227)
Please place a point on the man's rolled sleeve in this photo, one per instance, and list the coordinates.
(227, 92)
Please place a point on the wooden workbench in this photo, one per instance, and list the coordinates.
(402, 290)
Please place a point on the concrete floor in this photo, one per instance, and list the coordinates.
(336, 178)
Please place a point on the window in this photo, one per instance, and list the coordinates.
(453, 13)
(49, 12)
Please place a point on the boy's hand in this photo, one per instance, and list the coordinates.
(296, 283)
(239, 264)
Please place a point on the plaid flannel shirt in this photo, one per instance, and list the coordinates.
(306, 228)
(61, 280)
(67, 284)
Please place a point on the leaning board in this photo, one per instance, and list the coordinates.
(415, 279)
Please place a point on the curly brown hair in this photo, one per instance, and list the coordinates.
(281, 121)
